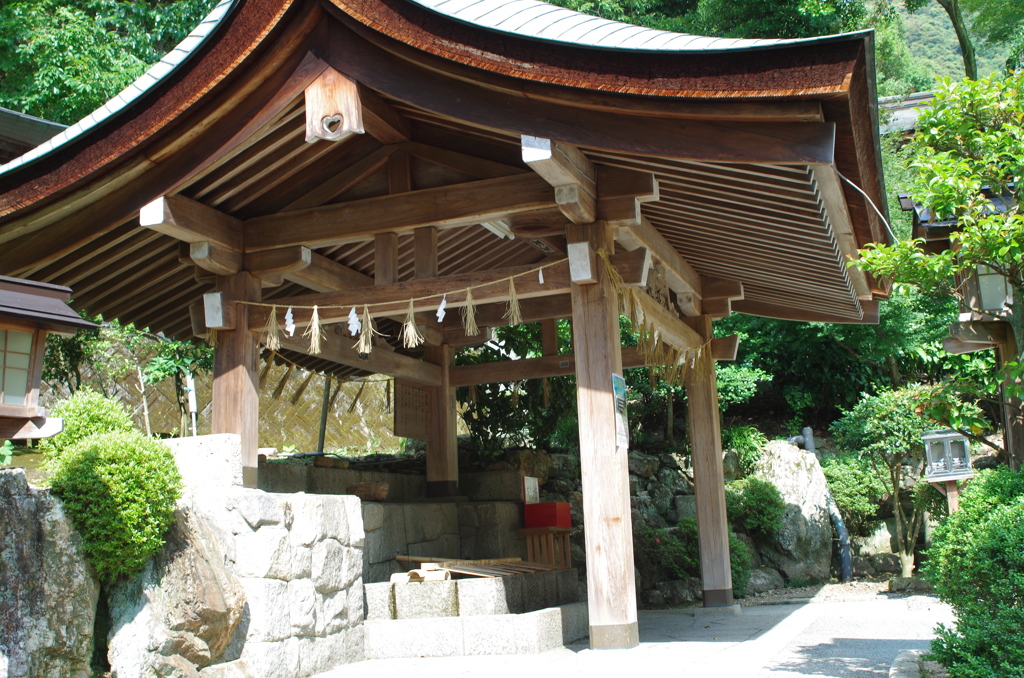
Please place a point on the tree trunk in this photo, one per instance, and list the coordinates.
(906, 563)
(956, 17)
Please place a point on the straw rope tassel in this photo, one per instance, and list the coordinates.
(514, 315)
(273, 341)
(365, 344)
(284, 380)
(211, 338)
(336, 384)
(469, 316)
(411, 337)
(315, 332)
(302, 388)
(355, 401)
(266, 367)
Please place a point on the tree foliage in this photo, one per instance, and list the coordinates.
(62, 59)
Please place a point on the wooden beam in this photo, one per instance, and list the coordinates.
(869, 314)
(553, 307)
(456, 337)
(30, 429)
(399, 173)
(344, 180)
(979, 332)
(215, 259)
(333, 110)
(720, 288)
(357, 220)
(569, 171)
(725, 348)
(381, 120)
(619, 212)
(425, 252)
(704, 422)
(958, 347)
(538, 223)
(340, 348)
(554, 365)
(617, 182)
(443, 447)
(305, 267)
(833, 201)
(611, 582)
(672, 329)
(680, 276)
(549, 336)
(385, 258)
(460, 162)
(190, 221)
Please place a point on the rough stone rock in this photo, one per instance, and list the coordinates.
(880, 541)
(670, 476)
(661, 498)
(910, 584)
(686, 507)
(236, 669)
(48, 593)
(644, 511)
(653, 600)
(185, 602)
(802, 549)
(731, 467)
(681, 591)
(174, 666)
(564, 467)
(985, 461)
(576, 508)
(862, 567)
(764, 579)
(536, 463)
(643, 465)
(886, 562)
(755, 557)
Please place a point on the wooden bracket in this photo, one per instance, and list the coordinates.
(215, 259)
(219, 311)
(582, 263)
(333, 109)
(725, 348)
(569, 171)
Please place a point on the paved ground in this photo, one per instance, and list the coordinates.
(836, 639)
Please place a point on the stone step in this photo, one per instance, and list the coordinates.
(473, 596)
(526, 633)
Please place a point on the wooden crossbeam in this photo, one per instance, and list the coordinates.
(214, 258)
(340, 349)
(725, 348)
(672, 329)
(718, 295)
(680, 275)
(444, 207)
(190, 221)
(569, 171)
(552, 307)
(305, 267)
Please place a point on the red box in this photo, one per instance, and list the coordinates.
(547, 514)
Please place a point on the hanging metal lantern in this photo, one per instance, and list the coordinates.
(948, 454)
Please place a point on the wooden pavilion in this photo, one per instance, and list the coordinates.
(386, 155)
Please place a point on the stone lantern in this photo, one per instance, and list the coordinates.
(948, 455)
(29, 311)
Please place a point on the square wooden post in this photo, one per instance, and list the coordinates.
(708, 476)
(443, 446)
(236, 402)
(611, 584)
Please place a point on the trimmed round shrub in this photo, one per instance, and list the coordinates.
(86, 413)
(754, 506)
(976, 563)
(119, 489)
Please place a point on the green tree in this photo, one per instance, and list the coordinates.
(969, 148)
(886, 429)
(954, 10)
(62, 59)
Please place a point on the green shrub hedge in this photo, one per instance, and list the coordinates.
(119, 489)
(857, 489)
(976, 563)
(664, 555)
(86, 413)
(754, 506)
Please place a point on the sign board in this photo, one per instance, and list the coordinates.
(531, 490)
(621, 424)
(413, 410)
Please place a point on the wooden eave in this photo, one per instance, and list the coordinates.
(227, 129)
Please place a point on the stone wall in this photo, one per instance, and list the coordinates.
(277, 477)
(48, 592)
(466, 530)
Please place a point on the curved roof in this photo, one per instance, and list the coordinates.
(544, 21)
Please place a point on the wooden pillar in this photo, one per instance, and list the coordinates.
(443, 446)
(236, 404)
(708, 477)
(611, 583)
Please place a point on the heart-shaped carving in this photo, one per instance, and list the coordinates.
(332, 126)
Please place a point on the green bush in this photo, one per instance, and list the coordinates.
(748, 442)
(754, 506)
(119, 489)
(857, 489)
(976, 563)
(85, 413)
(674, 554)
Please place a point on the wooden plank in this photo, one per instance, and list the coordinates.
(979, 332)
(425, 252)
(553, 307)
(414, 413)
(333, 110)
(385, 258)
(826, 180)
(190, 221)
(235, 378)
(868, 314)
(569, 171)
(673, 330)
(340, 349)
(680, 275)
(611, 584)
(555, 365)
(721, 288)
(445, 207)
(399, 173)
(549, 336)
